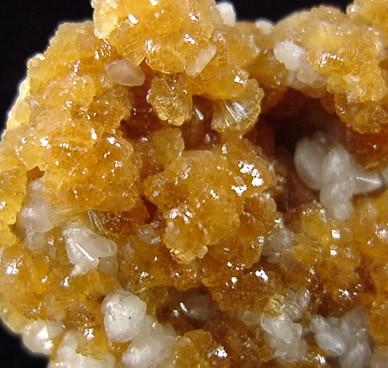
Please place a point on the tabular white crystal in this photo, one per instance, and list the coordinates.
(33, 219)
(67, 356)
(300, 75)
(227, 12)
(38, 336)
(366, 181)
(151, 346)
(35, 212)
(84, 248)
(331, 341)
(283, 334)
(125, 73)
(265, 25)
(291, 352)
(285, 337)
(356, 356)
(339, 163)
(308, 159)
(335, 197)
(346, 337)
(281, 327)
(357, 319)
(146, 352)
(336, 164)
(124, 315)
(290, 54)
(318, 323)
(335, 173)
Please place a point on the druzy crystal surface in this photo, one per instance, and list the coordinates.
(179, 189)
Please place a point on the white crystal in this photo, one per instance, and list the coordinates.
(300, 75)
(265, 26)
(336, 165)
(331, 341)
(285, 337)
(38, 336)
(318, 323)
(366, 181)
(357, 319)
(291, 352)
(67, 356)
(84, 248)
(346, 337)
(356, 356)
(334, 172)
(125, 73)
(33, 219)
(281, 327)
(290, 54)
(336, 197)
(227, 12)
(146, 352)
(124, 314)
(151, 347)
(308, 159)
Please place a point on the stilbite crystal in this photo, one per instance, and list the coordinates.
(181, 189)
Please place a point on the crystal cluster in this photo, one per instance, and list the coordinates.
(180, 189)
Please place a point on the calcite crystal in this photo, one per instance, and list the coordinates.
(178, 189)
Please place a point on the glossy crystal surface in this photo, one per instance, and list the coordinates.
(178, 189)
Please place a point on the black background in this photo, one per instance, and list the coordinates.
(25, 26)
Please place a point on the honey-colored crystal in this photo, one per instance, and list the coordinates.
(147, 171)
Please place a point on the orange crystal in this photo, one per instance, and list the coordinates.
(181, 190)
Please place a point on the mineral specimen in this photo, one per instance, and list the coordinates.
(178, 189)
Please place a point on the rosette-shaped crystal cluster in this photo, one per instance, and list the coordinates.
(178, 189)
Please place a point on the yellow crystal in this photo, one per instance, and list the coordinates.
(154, 210)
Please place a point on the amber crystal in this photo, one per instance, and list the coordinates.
(178, 189)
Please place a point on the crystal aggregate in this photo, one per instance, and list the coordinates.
(182, 189)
